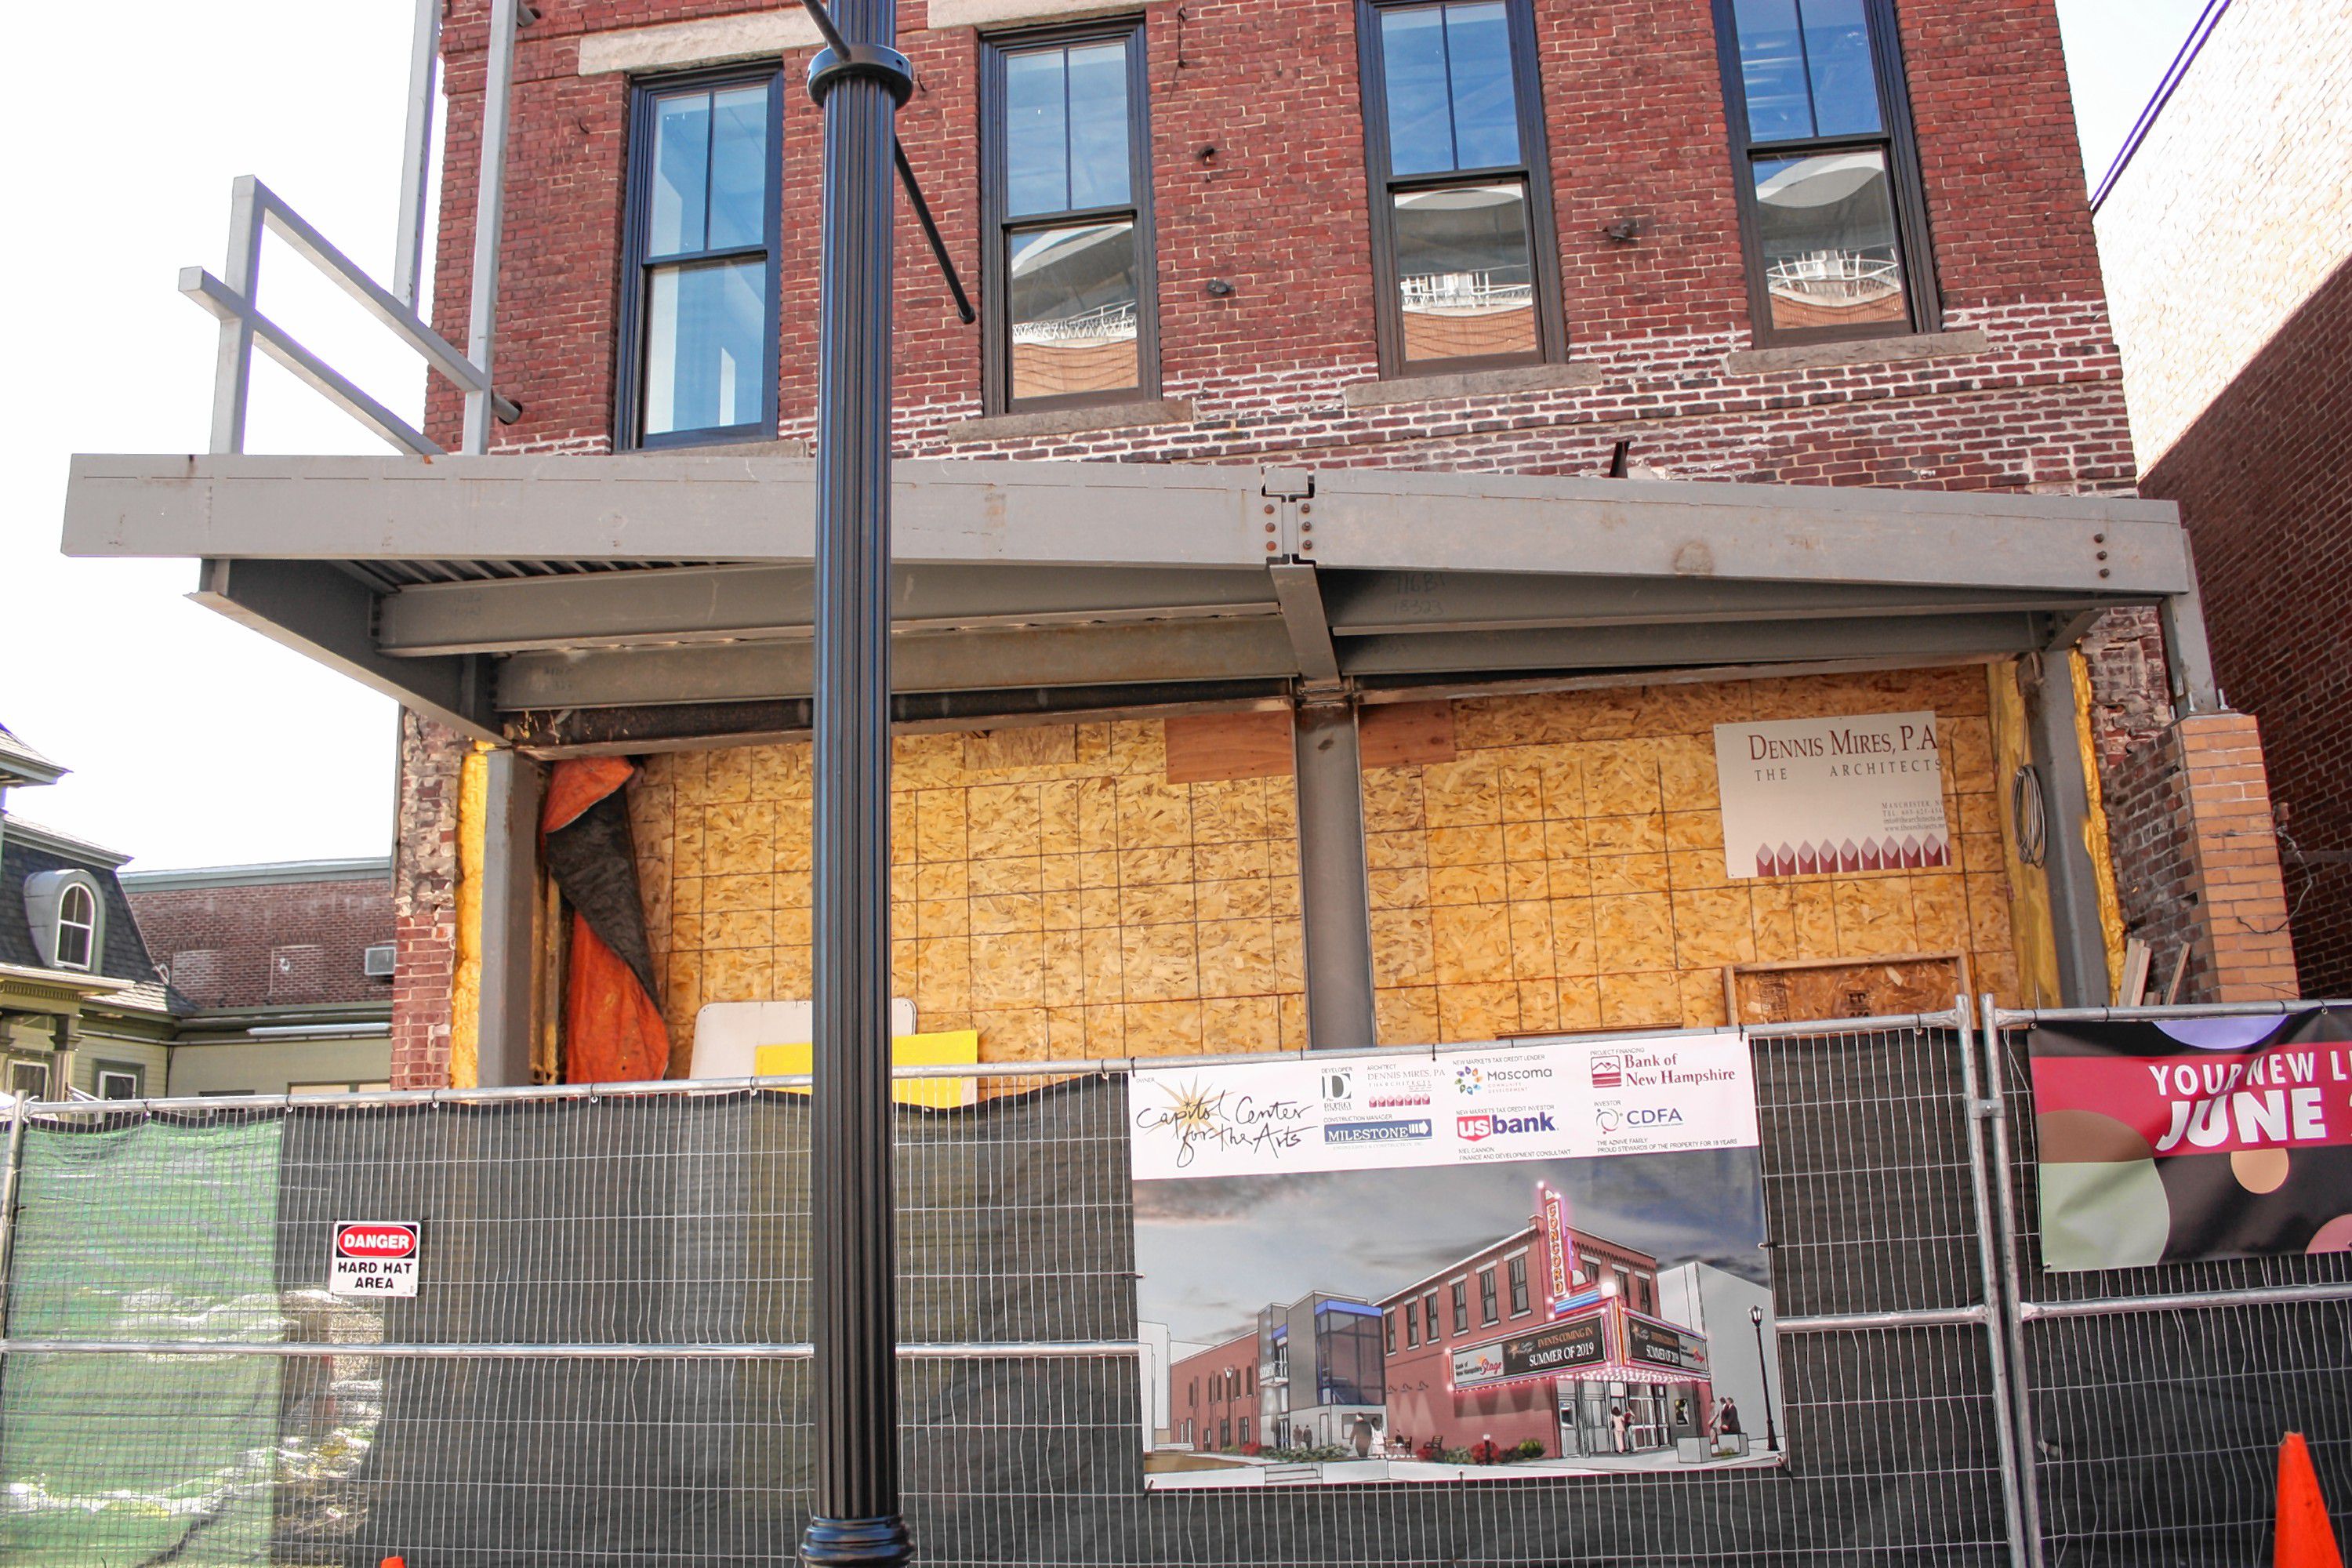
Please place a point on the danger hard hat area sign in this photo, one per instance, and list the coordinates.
(374, 1257)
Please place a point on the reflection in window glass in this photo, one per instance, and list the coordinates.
(1464, 276)
(1073, 294)
(739, 167)
(1827, 225)
(1065, 130)
(681, 173)
(1452, 102)
(1806, 67)
(705, 332)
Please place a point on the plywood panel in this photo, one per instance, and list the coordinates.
(1395, 734)
(1207, 748)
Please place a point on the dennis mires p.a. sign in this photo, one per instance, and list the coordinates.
(374, 1257)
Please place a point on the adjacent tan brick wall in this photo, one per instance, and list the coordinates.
(2235, 209)
(425, 902)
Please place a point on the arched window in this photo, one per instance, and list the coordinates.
(77, 927)
(67, 918)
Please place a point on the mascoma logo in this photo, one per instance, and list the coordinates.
(1468, 1078)
(1485, 1125)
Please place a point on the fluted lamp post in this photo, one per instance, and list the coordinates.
(1764, 1371)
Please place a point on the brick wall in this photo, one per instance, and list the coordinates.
(2260, 479)
(220, 944)
(2198, 861)
(2234, 211)
(425, 902)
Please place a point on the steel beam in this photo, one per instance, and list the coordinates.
(2057, 748)
(1297, 590)
(2187, 656)
(489, 221)
(325, 614)
(1600, 647)
(973, 661)
(716, 506)
(714, 603)
(1373, 603)
(1335, 897)
(509, 901)
(417, 154)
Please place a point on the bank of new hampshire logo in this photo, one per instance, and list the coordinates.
(1608, 1072)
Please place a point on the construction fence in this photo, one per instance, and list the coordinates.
(609, 1365)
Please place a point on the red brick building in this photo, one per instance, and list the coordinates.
(1350, 308)
(1213, 1396)
(1464, 1344)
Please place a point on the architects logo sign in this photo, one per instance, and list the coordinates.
(1849, 793)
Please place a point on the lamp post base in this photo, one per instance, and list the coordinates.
(882, 1541)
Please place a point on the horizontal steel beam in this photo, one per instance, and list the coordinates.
(1373, 603)
(714, 507)
(717, 604)
(1606, 648)
(325, 614)
(573, 1350)
(226, 304)
(975, 661)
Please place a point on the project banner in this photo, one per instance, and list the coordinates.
(1499, 1263)
(2193, 1138)
(1861, 792)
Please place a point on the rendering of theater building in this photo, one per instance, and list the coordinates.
(1308, 1376)
(1547, 1335)
(1396, 443)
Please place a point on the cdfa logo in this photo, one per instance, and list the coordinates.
(1607, 1120)
(1608, 1072)
(1469, 1078)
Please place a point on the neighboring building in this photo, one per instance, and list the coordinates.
(1719, 1306)
(1485, 1351)
(81, 1009)
(1213, 1396)
(1348, 306)
(1160, 1352)
(2226, 227)
(285, 971)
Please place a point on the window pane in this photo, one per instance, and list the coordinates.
(739, 167)
(1412, 63)
(1072, 294)
(1845, 84)
(1486, 100)
(681, 173)
(1772, 67)
(704, 348)
(1828, 228)
(1464, 273)
(1099, 131)
(1036, 134)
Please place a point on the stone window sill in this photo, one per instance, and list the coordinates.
(1471, 383)
(1858, 351)
(1071, 421)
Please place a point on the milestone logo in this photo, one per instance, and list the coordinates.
(1485, 1125)
(1416, 1130)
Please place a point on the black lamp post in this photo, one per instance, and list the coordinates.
(1764, 1369)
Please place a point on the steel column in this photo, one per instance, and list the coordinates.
(510, 902)
(2073, 881)
(233, 365)
(855, 1508)
(2012, 1285)
(2187, 656)
(2014, 1475)
(1334, 888)
(489, 221)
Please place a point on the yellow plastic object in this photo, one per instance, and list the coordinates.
(956, 1048)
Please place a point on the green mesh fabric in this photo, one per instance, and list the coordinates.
(149, 1232)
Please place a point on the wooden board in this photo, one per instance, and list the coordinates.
(1845, 987)
(1205, 747)
(1398, 734)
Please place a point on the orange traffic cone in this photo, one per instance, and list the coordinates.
(395, 1562)
(2306, 1540)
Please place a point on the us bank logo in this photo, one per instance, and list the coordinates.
(1484, 1124)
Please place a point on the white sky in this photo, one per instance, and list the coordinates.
(193, 740)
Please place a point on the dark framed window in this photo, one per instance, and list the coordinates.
(1461, 1306)
(1428, 1317)
(698, 287)
(1518, 1284)
(1072, 305)
(1487, 1313)
(1411, 1326)
(1465, 256)
(1832, 212)
(1392, 1335)
(119, 1080)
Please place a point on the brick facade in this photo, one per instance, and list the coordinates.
(2198, 864)
(425, 902)
(268, 944)
(2261, 482)
(1257, 169)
